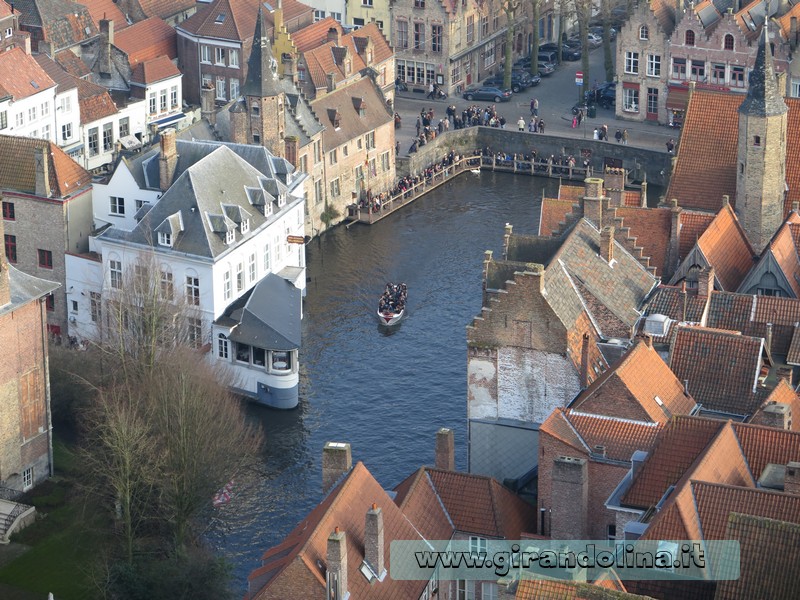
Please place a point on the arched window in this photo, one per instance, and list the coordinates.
(756, 140)
(644, 33)
(689, 39)
(222, 346)
(728, 42)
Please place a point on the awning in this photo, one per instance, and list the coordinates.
(129, 142)
(169, 120)
(677, 98)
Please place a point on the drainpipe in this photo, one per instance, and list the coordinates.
(46, 364)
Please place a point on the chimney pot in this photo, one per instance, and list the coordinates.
(168, 159)
(337, 565)
(726, 200)
(336, 461)
(42, 173)
(374, 545)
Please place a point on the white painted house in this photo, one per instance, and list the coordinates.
(67, 113)
(217, 219)
(27, 97)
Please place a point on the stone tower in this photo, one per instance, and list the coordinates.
(264, 97)
(761, 168)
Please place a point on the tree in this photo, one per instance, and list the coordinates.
(583, 12)
(536, 6)
(608, 57)
(510, 8)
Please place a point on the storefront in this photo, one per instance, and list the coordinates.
(677, 99)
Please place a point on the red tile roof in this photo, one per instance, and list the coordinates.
(651, 227)
(147, 40)
(239, 22)
(106, 9)
(21, 76)
(314, 35)
(692, 225)
(66, 176)
(553, 213)
(63, 80)
(640, 387)
(678, 303)
(727, 249)
(95, 102)
(785, 21)
(558, 426)
(164, 8)
(784, 249)
(5, 9)
(151, 71)
(782, 393)
(72, 64)
(550, 589)
(417, 498)
(620, 438)
(722, 367)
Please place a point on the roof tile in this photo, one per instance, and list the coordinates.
(620, 438)
(66, 176)
(21, 76)
(156, 69)
(727, 249)
(147, 40)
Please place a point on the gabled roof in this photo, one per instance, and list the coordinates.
(641, 387)
(652, 228)
(95, 101)
(692, 226)
(678, 303)
(21, 76)
(72, 64)
(66, 176)
(475, 504)
(56, 72)
(25, 288)
(351, 124)
(147, 40)
(164, 8)
(64, 24)
(552, 213)
(106, 9)
(152, 71)
(725, 246)
(722, 367)
(783, 248)
(316, 34)
(236, 19)
(302, 556)
(664, 12)
(785, 21)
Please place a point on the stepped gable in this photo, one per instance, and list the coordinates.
(649, 229)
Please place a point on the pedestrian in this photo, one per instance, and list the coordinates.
(604, 135)
(397, 148)
(521, 124)
(625, 136)
(419, 126)
(502, 122)
(532, 125)
(596, 135)
(671, 146)
(440, 126)
(431, 90)
(535, 107)
(574, 121)
(533, 100)
(618, 136)
(541, 125)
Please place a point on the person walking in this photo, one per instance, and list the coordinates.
(532, 126)
(535, 104)
(671, 146)
(541, 125)
(625, 136)
(431, 90)
(521, 124)
(574, 121)
(596, 135)
(618, 136)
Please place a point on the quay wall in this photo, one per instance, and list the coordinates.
(641, 162)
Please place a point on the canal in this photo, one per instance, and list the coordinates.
(384, 394)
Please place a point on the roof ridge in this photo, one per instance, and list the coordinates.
(496, 513)
(417, 476)
(615, 419)
(439, 498)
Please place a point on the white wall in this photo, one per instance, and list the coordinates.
(121, 185)
(155, 90)
(41, 106)
(134, 111)
(67, 113)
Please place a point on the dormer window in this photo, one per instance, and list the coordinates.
(245, 225)
(165, 239)
(230, 236)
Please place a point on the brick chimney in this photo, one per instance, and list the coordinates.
(568, 520)
(585, 361)
(41, 155)
(208, 104)
(5, 284)
(333, 36)
(786, 373)
(336, 461)
(445, 450)
(705, 282)
(168, 159)
(508, 232)
(791, 481)
(374, 548)
(607, 244)
(768, 336)
(778, 415)
(336, 575)
(614, 185)
(106, 41)
(674, 260)
(593, 200)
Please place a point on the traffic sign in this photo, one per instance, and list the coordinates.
(579, 78)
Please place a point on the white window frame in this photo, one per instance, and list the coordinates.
(632, 62)
(630, 100)
(116, 206)
(233, 58)
(223, 346)
(644, 32)
(27, 479)
(654, 65)
(205, 53)
(227, 285)
(239, 277)
(230, 236)
(219, 55)
(192, 290)
(164, 239)
(266, 258)
(115, 273)
(251, 268)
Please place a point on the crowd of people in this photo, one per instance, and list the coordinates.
(560, 164)
(393, 299)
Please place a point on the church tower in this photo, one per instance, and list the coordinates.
(265, 99)
(761, 164)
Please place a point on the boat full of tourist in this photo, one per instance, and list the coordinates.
(392, 305)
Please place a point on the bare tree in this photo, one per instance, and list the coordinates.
(510, 8)
(583, 12)
(608, 57)
(536, 6)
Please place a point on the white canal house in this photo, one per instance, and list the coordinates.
(216, 220)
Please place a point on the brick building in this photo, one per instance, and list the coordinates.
(25, 436)
(47, 211)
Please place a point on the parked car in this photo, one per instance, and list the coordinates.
(518, 82)
(547, 56)
(599, 31)
(604, 96)
(567, 53)
(545, 68)
(594, 40)
(494, 94)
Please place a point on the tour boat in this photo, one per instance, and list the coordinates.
(392, 304)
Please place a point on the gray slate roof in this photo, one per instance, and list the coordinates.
(25, 288)
(268, 316)
(262, 68)
(202, 200)
(763, 97)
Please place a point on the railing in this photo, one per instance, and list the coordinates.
(545, 167)
(11, 517)
(9, 494)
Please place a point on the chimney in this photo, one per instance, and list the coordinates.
(705, 282)
(768, 337)
(593, 200)
(726, 200)
(5, 284)
(208, 104)
(333, 36)
(791, 481)
(337, 565)
(373, 540)
(614, 185)
(674, 238)
(607, 244)
(168, 159)
(643, 195)
(778, 415)
(44, 47)
(336, 461)
(569, 479)
(637, 460)
(106, 41)
(507, 233)
(331, 82)
(647, 340)
(793, 37)
(786, 373)
(42, 181)
(585, 361)
(600, 451)
(445, 450)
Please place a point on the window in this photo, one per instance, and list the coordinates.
(234, 88)
(373, 167)
(345, 150)
(419, 3)
(3, 119)
(689, 37)
(9, 32)
(66, 104)
(94, 142)
(756, 140)
(419, 36)
(222, 346)
(335, 188)
(27, 478)
(10, 243)
(488, 590)
(220, 88)
(117, 206)
(19, 120)
(795, 93)
(32, 113)
(679, 68)
(219, 56)
(205, 54)
(317, 151)
(304, 164)
(239, 277)
(164, 239)
(266, 259)
(470, 28)
(259, 356)
(45, 109)
(455, 72)
(358, 173)
(465, 590)
(9, 214)
(495, 21)
(124, 126)
(66, 132)
(477, 545)
(717, 73)
(332, 158)
(488, 59)
(95, 308)
(632, 62)
(436, 38)
(737, 76)
(698, 70)
(630, 100)
(611, 532)
(318, 196)
(46, 132)
(226, 285)
(243, 353)
(338, 16)
(162, 100)
(366, 2)
(74, 305)
(50, 303)
(652, 101)
(233, 57)
(385, 161)
(369, 140)
(484, 26)
(151, 101)
(45, 259)
(653, 65)
(115, 269)
(195, 332)
(206, 80)
(108, 137)
(166, 285)
(251, 268)
(192, 290)
(319, 15)
(281, 361)
(644, 33)
(245, 225)
(173, 96)
(728, 42)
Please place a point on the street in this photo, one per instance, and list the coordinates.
(557, 93)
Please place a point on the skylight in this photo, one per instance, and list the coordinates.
(220, 18)
(35, 85)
